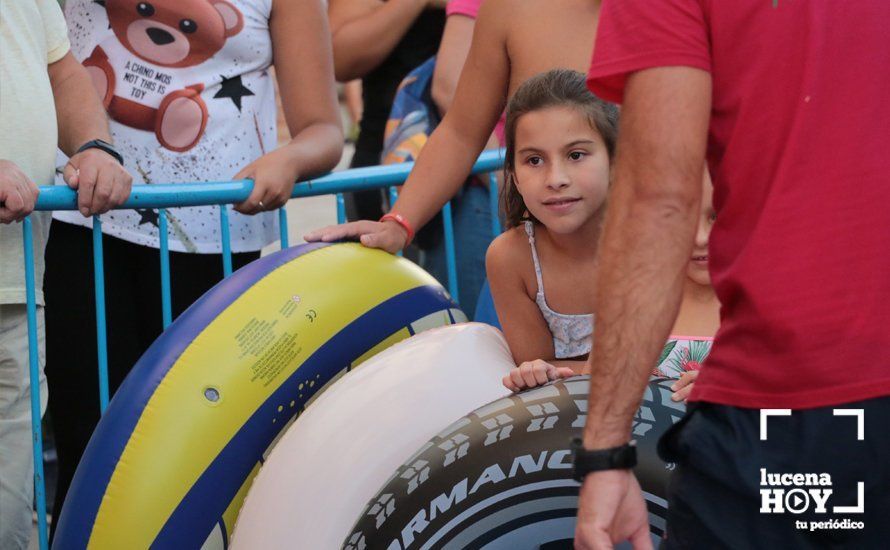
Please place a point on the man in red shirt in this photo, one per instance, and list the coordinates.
(790, 100)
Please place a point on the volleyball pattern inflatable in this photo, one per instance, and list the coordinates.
(501, 477)
(346, 445)
(170, 461)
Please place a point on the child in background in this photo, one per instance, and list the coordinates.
(699, 316)
(560, 140)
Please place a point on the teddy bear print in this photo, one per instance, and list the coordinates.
(142, 71)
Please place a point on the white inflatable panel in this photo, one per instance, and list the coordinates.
(343, 449)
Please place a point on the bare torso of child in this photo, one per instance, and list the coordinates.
(545, 34)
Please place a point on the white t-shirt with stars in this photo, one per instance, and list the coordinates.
(224, 52)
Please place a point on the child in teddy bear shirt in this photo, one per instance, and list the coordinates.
(191, 98)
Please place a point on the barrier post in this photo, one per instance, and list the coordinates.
(226, 240)
(34, 373)
(166, 307)
(493, 204)
(282, 226)
(341, 208)
(450, 257)
(101, 331)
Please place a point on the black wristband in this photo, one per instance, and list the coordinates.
(614, 458)
(104, 146)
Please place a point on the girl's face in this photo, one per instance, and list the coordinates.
(561, 168)
(697, 269)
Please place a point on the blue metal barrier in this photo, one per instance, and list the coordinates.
(162, 196)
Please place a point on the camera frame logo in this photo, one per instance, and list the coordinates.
(797, 493)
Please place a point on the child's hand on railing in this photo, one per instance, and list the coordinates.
(274, 176)
(534, 373)
(387, 235)
(18, 195)
(683, 387)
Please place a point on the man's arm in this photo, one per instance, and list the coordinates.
(645, 247)
(647, 240)
(80, 114)
(101, 182)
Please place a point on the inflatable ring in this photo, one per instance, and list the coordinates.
(346, 445)
(170, 461)
(501, 477)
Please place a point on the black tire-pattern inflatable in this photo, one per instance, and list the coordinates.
(501, 476)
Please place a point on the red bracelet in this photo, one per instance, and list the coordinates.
(403, 222)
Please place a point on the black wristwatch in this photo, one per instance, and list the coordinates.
(103, 145)
(615, 458)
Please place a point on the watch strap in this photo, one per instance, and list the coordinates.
(615, 458)
(104, 146)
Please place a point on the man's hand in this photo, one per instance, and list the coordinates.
(18, 195)
(100, 181)
(611, 509)
(387, 235)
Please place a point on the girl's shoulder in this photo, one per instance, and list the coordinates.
(509, 246)
(510, 255)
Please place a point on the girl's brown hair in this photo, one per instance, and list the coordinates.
(554, 88)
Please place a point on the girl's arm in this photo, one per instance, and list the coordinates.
(302, 56)
(521, 321)
(365, 32)
(445, 161)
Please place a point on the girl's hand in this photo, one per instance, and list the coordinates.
(534, 373)
(274, 176)
(683, 387)
(388, 235)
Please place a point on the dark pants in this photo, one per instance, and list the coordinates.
(364, 205)
(133, 313)
(715, 492)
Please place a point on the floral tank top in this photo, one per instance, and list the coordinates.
(682, 354)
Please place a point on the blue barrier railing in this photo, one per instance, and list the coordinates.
(162, 196)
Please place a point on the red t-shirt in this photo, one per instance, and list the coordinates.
(799, 151)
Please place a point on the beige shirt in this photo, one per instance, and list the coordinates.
(32, 36)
